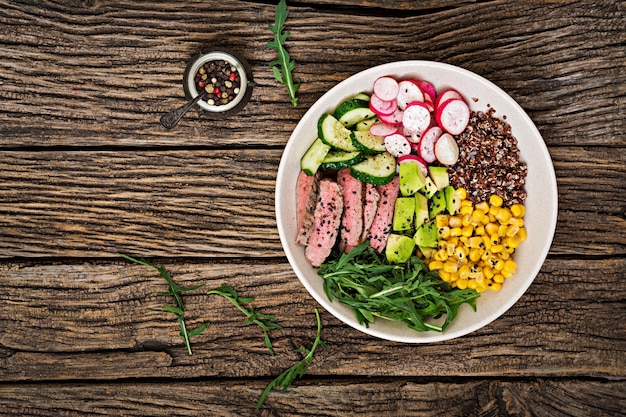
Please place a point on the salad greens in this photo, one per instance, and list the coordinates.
(175, 291)
(283, 65)
(284, 380)
(407, 292)
(263, 320)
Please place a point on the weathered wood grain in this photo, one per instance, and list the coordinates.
(320, 398)
(197, 203)
(102, 73)
(90, 321)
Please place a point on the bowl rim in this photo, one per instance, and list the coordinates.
(550, 203)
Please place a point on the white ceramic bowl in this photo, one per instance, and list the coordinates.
(541, 204)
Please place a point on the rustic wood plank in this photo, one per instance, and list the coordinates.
(184, 203)
(90, 321)
(101, 73)
(321, 398)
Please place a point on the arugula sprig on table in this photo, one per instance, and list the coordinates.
(284, 380)
(409, 292)
(265, 321)
(178, 309)
(283, 65)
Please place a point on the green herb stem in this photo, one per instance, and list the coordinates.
(283, 65)
(284, 380)
(175, 291)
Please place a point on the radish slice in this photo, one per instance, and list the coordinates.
(393, 119)
(453, 116)
(382, 107)
(428, 89)
(432, 134)
(447, 95)
(427, 148)
(397, 145)
(383, 129)
(408, 92)
(386, 88)
(447, 150)
(416, 117)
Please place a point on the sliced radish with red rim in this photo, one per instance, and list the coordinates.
(394, 119)
(382, 107)
(427, 147)
(397, 145)
(447, 95)
(386, 88)
(427, 88)
(416, 117)
(453, 116)
(408, 92)
(383, 129)
(447, 150)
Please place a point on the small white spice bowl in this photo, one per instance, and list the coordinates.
(245, 89)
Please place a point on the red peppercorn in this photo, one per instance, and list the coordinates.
(216, 90)
(201, 83)
(232, 76)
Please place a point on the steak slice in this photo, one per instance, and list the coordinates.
(381, 227)
(306, 198)
(352, 220)
(326, 222)
(370, 205)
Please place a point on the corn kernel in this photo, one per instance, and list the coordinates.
(495, 200)
(450, 247)
(441, 220)
(494, 239)
(513, 241)
(461, 252)
(461, 283)
(495, 286)
(503, 215)
(517, 221)
(482, 206)
(522, 234)
(461, 193)
(467, 231)
(510, 264)
(497, 248)
(445, 276)
(474, 255)
(471, 284)
(467, 203)
(502, 230)
(466, 210)
(443, 232)
(450, 267)
(477, 215)
(511, 230)
(464, 272)
(456, 232)
(435, 265)
(454, 221)
(479, 230)
(441, 255)
(475, 242)
(491, 228)
(498, 278)
(499, 265)
(518, 210)
(488, 272)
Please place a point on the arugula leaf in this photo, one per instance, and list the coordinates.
(175, 291)
(284, 380)
(263, 320)
(409, 292)
(283, 65)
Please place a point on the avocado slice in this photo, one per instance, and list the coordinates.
(411, 178)
(429, 189)
(437, 204)
(426, 235)
(421, 209)
(439, 175)
(399, 248)
(453, 202)
(403, 214)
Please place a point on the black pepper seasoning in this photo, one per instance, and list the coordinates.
(220, 79)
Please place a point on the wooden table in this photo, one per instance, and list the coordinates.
(87, 172)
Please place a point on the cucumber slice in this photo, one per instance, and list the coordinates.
(367, 143)
(336, 160)
(356, 115)
(314, 156)
(366, 124)
(334, 134)
(349, 105)
(362, 96)
(376, 169)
